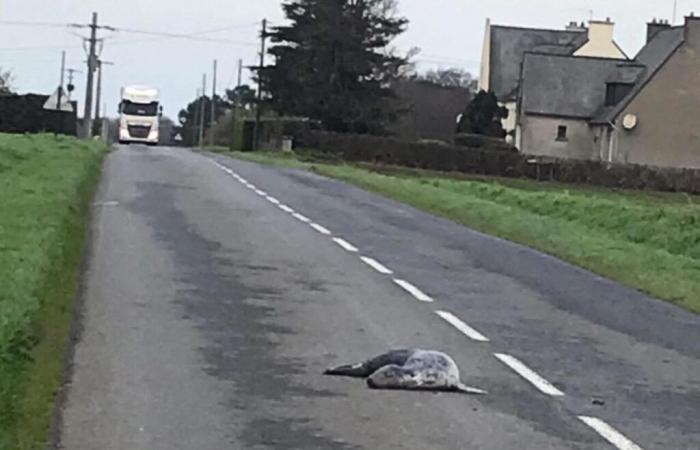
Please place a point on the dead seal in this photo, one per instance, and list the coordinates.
(408, 369)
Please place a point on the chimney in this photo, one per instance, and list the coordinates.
(656, 26)
(573, 26)
(600, 33)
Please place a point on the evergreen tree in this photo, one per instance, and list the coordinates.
(334, 63)
(483, 116)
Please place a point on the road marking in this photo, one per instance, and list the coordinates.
(321, 229)
(530, 375)
(261, 193)
(345, 245)
(243, 180)
(107, 203)
(272, 200)
(609, 433)
(285, 208)
(376, 265)
(456, 322)
(414, 291)
(301, 218)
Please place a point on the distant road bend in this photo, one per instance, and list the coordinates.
(217, 292)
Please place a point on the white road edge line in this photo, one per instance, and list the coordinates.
(414, 291)
(301, 218)
(530, 375)
(345, 245)
(272, 200)
(376, 265)
(609, 433)
(320, 229)
(285, 208)
(456, 322)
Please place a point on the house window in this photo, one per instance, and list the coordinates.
(561, 133)
(615, 92)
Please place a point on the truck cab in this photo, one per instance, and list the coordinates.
(139, 115)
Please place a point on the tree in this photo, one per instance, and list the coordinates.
(483, 116)
(6, 79)
(334, 64)
(190, 118)
(453, 77)
(242, 96)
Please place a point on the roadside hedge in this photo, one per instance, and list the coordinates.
(493, 160)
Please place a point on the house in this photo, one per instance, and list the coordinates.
(643, 111)
(505, 48)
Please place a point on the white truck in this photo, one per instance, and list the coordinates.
(139, 115)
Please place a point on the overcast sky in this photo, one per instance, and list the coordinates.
(449, 33)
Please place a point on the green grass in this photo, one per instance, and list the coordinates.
(46, 184)
(646, 240)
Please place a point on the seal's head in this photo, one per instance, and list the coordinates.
(391, 377)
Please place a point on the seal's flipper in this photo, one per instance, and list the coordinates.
(464, 389)
(357, 371)
(367, 368)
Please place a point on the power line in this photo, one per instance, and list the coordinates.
(33, 24)
(183, 36)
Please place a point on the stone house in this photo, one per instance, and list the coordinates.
(641, 112)
(505, 48)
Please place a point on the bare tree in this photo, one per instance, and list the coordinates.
(453, 77)
(6, 80)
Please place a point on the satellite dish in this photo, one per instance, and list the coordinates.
(629, 122)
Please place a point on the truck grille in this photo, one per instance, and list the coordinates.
(139, 131)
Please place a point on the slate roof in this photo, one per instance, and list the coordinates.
(570, 86)
(654, 55)
(509, 45)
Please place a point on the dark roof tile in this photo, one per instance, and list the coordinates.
(569, 86)
(509, 45)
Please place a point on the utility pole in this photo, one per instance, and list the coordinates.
(234, 113)
(258, 112)
(98, 99)
(202, 110)
(91, 63)
(212, 138)
(63, 77)
(71, 87)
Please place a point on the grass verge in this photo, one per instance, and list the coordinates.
(645, 240)
(46, 185)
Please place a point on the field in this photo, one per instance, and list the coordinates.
(46, 185)
(645, 240)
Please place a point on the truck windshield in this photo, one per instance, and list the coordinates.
(139, 109)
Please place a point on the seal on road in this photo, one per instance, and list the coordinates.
(408, 369)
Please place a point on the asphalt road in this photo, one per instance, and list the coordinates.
(217, 291)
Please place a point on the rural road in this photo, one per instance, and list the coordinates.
(217, 291)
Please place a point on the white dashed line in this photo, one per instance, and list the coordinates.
(261, 193)
(301, 218)
(456, 322)
(345, 245)
(272, 200)
(376, 265)
(609, 433)
(243, 180)
(414, 291)
(530, 375)
(321, 229)
(285, 208)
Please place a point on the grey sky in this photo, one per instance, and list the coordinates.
(449, 33)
